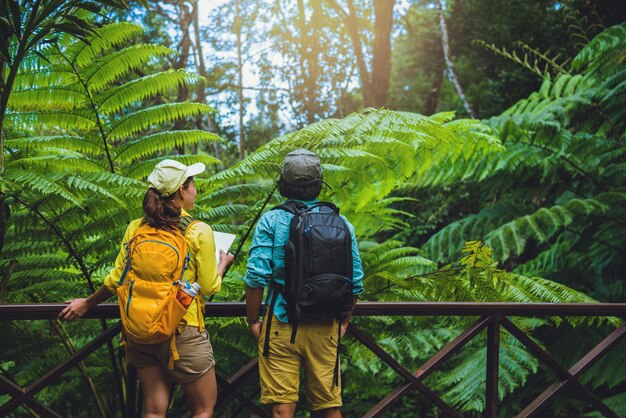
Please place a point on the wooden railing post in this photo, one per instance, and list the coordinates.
(493, 358)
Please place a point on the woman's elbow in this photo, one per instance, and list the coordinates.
(213, 288)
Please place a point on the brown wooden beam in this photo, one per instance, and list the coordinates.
(560, 371)
(243, 398)
(234, 309)
(413, 379)
(236, 380)
(56, 372)
(493, 359)
(578, 369)
(15, 391)
(427, 368)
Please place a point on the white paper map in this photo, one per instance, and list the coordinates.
(223, 241)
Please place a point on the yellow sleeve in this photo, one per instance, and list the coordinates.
(110, 281)
(203, 266)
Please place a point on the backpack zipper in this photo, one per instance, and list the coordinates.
(130, 296)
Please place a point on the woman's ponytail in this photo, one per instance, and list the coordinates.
(162, 213)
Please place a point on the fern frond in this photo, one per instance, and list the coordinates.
(609, 39)
(44, 184)
(107, 37)
(156, 115)
(51, 120)
(59, 159)
(537, 62)
(143, 168)
(104, 71)
(151, 144)
(115, 99)
(46, 98)
(74, 143)
(45, 77)
(541, 225)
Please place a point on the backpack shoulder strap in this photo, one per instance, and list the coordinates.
(291, 206)
(184, 223)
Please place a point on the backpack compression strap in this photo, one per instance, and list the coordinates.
(270, 314)
(184, 224)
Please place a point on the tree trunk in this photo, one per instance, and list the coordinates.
(202, 85)
(185, 18)
(446, 55)
(309, 59)
(4, 208)
(6, 275)
(376, 85)
(381, 52)
(352, 24)
(200, 68)
(239, 80)
(432, 100)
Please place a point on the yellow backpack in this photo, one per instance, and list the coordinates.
(156, 260)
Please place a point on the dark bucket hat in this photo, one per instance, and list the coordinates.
(302, 166)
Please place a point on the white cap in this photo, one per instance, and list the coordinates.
(169, 175)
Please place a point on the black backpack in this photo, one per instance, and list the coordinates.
(318, 266)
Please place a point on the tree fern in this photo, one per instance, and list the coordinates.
(74, 113)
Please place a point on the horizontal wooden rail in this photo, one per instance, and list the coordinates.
(234, 309)
(489, 316)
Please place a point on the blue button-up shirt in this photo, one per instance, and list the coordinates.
(266, 260)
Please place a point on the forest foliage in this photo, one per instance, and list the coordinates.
(523, 205)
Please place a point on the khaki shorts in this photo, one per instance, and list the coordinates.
(315, 349)
(194, 348)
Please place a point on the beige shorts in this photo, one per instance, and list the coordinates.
(315, 350)
(194, 348)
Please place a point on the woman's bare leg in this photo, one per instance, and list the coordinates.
(201, 394)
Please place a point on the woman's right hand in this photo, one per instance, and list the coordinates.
(75, 309)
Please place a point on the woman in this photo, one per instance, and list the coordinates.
(170, 195)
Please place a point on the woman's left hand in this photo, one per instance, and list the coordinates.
(75, 309)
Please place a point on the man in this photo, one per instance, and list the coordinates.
(315, 346)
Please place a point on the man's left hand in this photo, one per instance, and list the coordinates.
(256, 330)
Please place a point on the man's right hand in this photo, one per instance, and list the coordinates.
(256, 330)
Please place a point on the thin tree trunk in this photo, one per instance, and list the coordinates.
(201, 68)
(185, 18)
(432, 100)
(203, 73)
(381, 52)
(446, 55)
(239, 80)
(375, 85)
(4, 208)
(6, 275)
(3, 91)
(309, 60)
(352, 24)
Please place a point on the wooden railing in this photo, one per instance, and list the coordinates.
(492, 317)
